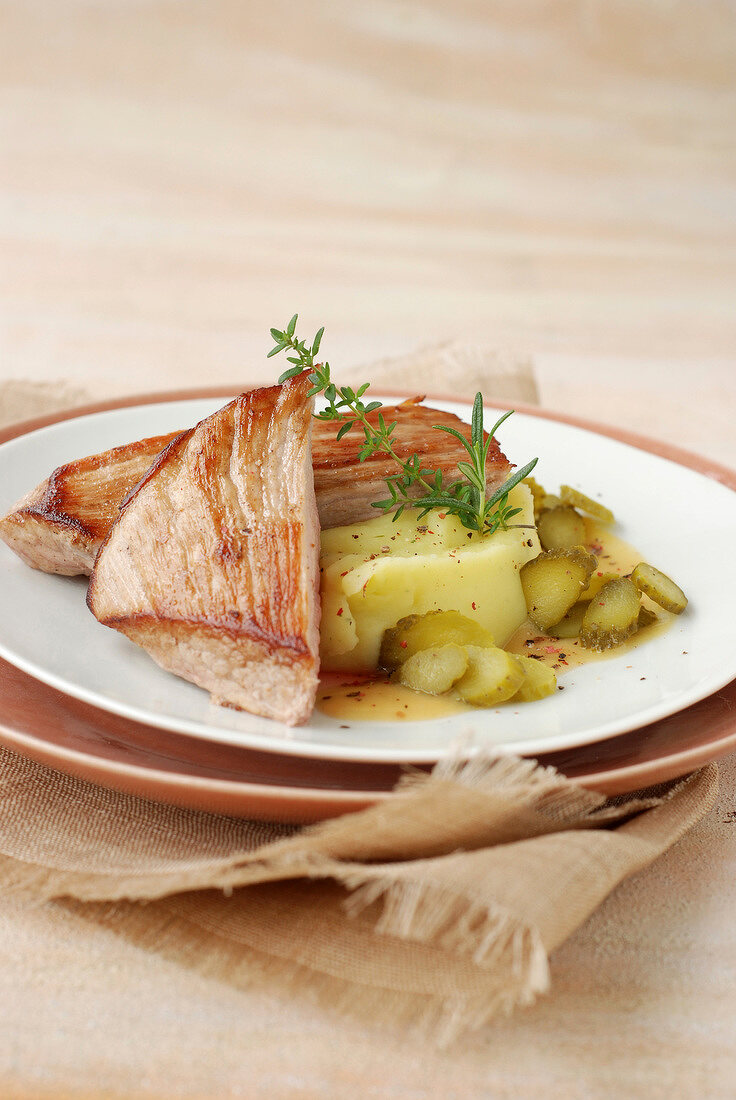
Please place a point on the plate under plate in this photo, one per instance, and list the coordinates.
(681, 521)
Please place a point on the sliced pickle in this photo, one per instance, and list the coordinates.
(538, 494)
(612, 616)
(436, 628)
(560, 527)
(646, 618)
(553, 581)
(660, 588)
(570, 624)
(595, 584)
(434, 670)
(539, 680)
(574, 497)
(493, 676)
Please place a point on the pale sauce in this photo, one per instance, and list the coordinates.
(351, 698)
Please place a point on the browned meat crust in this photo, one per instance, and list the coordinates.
(213, 563)
(60, 525)
(346, 487)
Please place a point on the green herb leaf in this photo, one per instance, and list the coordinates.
(413, 486)
(291, 373)
(513, 481)
(476, 422)
(344, 429)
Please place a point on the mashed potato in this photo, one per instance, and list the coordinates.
(375, 573)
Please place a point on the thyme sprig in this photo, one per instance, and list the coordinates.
(414, 486)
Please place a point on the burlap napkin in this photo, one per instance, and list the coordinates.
(438, 907)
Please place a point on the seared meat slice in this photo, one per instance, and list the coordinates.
(60, 525)
(347, 487)
(213, 563)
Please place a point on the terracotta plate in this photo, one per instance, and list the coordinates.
(47, 631)
(79, 739)
(76, 738)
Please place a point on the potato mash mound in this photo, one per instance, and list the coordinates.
(375, 573)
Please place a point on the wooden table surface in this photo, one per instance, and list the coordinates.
(559, 180)
(555, 180)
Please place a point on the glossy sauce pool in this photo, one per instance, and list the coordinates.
(349, 697)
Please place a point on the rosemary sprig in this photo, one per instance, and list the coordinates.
(414, 486)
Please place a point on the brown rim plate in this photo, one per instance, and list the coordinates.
(74, 737)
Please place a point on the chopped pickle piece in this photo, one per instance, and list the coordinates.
(436, 628)
(434, 671)
(646, 618)
(570, 624)
(539, 680)
(560, 527)
(612, 616)
(595, 584)
(553, 581)
(493, 676)
(538, 495)
(660, 588)
(574, 497)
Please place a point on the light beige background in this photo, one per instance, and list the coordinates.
(555, 179)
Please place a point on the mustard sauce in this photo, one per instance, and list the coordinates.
(351, 698)
(376, 698)
(614, 556)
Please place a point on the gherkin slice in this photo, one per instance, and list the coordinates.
(538, 494)
(570, 624)
(493, 676)
(553, 581)
(613, 616)
(646, 618)
(539, 681)
(560, 527)
(660, 588)
(434, 671)
(596, 582)
(414, 633)
(574, 497)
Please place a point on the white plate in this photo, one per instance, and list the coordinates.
(681, 521)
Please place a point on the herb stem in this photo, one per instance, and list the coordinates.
(466, 498)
